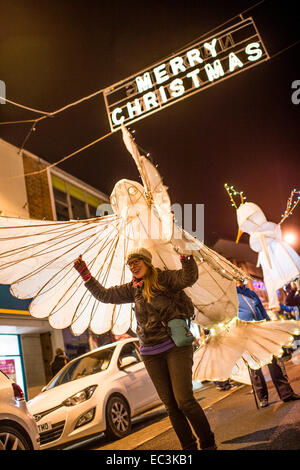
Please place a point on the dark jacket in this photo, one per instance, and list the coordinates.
(172, 302)
(293, 299)
(58, 364)
(250, 306)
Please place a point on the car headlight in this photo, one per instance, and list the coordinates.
(86, 418)
(80, 397)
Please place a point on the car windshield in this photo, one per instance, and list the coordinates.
(83, 366)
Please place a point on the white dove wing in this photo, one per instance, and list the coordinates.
(37, 260)
(64, 298)
(79, 308)
(222, 355)
(117, 318)
(38, 244)
(22, 240)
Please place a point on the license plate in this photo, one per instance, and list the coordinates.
(44, 427)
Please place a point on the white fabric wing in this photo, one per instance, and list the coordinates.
(37, 260)
(254, 343)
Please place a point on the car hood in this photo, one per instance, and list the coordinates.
(56, 395)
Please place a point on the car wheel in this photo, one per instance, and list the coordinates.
(12, 439)
(118, 419)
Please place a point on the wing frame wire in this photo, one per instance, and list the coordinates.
(76, 279)
(37, 270)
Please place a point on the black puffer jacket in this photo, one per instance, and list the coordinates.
(172, 302)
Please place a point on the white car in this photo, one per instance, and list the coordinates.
(98, 391)
(18, 429)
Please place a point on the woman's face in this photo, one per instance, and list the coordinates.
(137, 267)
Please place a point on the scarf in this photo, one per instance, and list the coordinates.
(137, 282)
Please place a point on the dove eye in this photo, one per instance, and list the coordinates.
(132, 190)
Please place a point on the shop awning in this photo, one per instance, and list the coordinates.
(10, 304)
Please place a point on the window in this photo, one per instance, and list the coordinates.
(72, 202)
(130, 349)
(83, 367)
(61, 205)
(78, 208)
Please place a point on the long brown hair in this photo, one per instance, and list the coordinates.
(151, 281)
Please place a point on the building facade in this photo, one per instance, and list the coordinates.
(28, 344)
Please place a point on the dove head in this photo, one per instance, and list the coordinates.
(128, 198)
(250, 217)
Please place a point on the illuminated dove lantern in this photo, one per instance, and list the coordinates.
(37, 261)
(37, 257)
(279, 262)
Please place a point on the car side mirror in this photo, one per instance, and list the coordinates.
(128, 361)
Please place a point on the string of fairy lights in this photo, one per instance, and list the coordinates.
(233, 192)
(292, 202)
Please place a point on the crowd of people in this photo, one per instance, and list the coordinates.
(291, 307)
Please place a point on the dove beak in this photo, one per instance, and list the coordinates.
(240, 233)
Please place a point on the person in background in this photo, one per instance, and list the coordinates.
(292, 312)
(251, 309)
(59, 361)
(293, 297)
(292, 307)
(223, 386)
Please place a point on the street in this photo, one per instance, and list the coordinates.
(234, 418)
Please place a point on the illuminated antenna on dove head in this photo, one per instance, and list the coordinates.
(291, 204)
(232, 192)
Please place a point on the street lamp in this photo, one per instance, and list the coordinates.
(290, 238)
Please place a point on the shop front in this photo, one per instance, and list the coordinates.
(27, 344)
(11, 361)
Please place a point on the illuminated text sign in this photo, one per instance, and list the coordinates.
(193, 69)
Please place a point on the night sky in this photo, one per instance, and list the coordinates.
(243, 131)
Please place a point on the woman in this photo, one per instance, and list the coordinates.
(159, 297)
(59, 361)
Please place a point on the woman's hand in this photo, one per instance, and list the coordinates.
(182, 253)
(82, 268)
(79, 264)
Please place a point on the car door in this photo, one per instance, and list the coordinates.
(135, 377)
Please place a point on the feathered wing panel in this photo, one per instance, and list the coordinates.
(117, 318)
(253, 343)
(30, 247)
(37, 259)
(214, 294)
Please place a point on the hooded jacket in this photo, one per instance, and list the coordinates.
(152, 317)
(250, 306)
